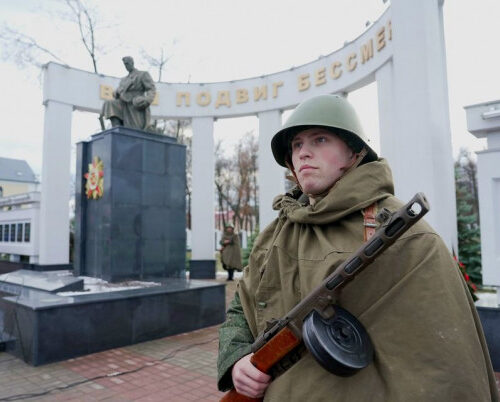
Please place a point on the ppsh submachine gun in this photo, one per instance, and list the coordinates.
(333, 336)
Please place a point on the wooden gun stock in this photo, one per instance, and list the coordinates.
(266, 357)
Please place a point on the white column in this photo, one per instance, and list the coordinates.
(384, 77)
(418, 141)
(483, 120)
(202, 204)
(271, 176)
(54, 205)
(488, 163)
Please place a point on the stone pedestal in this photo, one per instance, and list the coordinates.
(202, 269)
(137, 229)
(41, 327)
(490, 320)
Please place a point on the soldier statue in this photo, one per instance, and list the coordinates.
(130, 106)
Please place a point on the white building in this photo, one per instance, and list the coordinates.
(19, 223)
(19, 210)
(16, 177)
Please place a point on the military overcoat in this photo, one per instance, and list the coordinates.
(231, 252)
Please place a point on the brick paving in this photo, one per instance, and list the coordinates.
(176, 368)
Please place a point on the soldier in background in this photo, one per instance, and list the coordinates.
(230, 252)
(130, 106)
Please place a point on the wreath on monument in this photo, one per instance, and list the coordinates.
(94, 186)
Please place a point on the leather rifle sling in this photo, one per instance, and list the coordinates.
(369, 221)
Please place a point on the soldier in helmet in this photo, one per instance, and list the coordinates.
(413, 301)
(230, 253)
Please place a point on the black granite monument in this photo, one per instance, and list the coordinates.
(130, 225)
(137, 228)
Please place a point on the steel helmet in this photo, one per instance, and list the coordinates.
(331, 112)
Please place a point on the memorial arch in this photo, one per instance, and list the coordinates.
(403, 52)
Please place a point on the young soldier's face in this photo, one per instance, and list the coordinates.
(319, 159)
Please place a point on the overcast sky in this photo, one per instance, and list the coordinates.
(230, 39)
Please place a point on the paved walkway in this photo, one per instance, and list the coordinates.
(177, 368)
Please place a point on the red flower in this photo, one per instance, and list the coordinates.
(467, 278)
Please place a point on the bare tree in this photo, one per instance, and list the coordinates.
(23, 49)
(174, 128)
(251, 148)
(157, 62)
(86, 19)
(26, 51)
(222, 166)
(236, 184)
(171, 127)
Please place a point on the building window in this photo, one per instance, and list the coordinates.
(19, 236)
(6, 232)
(12, 232)
(1, 191)
(27, 228)
(1, 232)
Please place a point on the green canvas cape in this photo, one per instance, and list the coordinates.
(428, 340)
(231, 253)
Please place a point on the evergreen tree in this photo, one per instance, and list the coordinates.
(469, 235)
